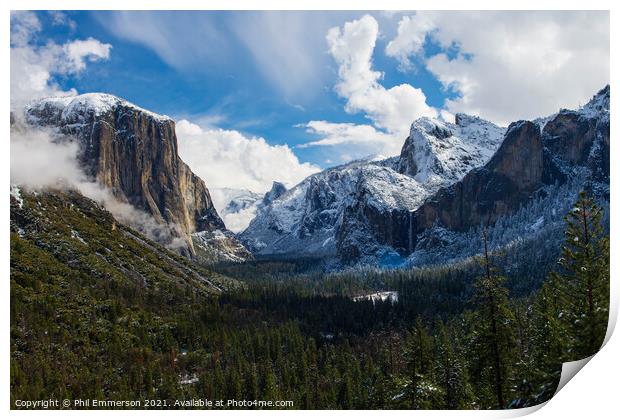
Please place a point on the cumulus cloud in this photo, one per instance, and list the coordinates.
(511, 65)
(390, 109)
(33, 65)
(227, 158)
(412, 31)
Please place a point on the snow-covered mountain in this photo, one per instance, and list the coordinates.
(328, 211)
(523, 191)
(132, 153)
(448, 180)
(238, 207)
(437, 152)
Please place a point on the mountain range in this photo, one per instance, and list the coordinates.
(450, 179)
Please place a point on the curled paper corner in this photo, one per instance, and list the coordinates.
(569, 370)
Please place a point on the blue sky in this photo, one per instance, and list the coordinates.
(228, 91)
(327, 87)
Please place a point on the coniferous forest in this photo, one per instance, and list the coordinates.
(463, 336)
(292, 210)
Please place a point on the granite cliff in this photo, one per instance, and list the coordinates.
(132, 152)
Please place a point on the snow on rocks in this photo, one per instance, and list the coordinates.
(305, 220)
(437, 151)
(73, 109)
(16, 195)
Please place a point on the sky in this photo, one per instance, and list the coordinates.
(264, 96)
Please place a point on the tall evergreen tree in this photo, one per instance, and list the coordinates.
(493, 332)
(582, 281)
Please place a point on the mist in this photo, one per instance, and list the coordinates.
(42, 159)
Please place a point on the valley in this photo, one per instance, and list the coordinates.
(371, 284)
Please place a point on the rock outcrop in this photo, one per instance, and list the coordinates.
(509, 178)
(362, 208)
(276, 191)
(570, 144)
(133, 152)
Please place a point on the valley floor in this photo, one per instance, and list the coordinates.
(129, 322)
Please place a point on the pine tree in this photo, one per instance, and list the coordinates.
(493, 335)
(547, 336)
(418, 355)
(451, 369)
(582, 281)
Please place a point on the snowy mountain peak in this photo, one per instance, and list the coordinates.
(329, 212)
(70, 109)
(437, 150)
(277, 189)
(598, 104)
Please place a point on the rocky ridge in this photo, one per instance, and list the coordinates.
(132, 152)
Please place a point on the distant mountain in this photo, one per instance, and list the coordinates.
(238, 207)
(133, 152)
(328, 213)
(449, 180)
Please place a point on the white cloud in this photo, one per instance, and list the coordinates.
(342, 137)
(285, 48)
(38, 162)
(34, 66)
(391, 109)
(512, 65)
(227, 158)
(412, 31)
(236, 222)
(62, 19)
(24, 25)
(282, 49)
(184, 41)
(78, 51)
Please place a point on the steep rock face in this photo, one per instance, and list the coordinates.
(276, 191)
(134, 153)
(580, 138)
(435, 154)
(572, 144)
(509, 178)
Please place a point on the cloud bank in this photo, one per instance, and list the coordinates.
(227, 158)
(510, 65)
